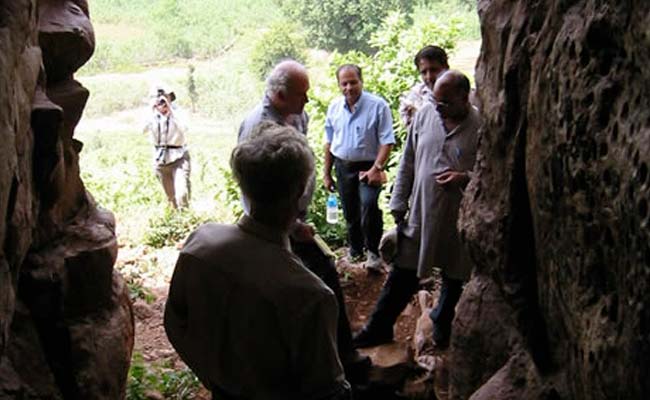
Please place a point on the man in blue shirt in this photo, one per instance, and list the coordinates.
(358, 139)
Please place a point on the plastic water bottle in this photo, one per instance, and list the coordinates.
(332, 215)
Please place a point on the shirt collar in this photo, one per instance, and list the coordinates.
(358, 104)
(265, 232)
(271, 112)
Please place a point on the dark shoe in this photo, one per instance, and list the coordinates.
(356, 367)
(367, 338)
(440, 337)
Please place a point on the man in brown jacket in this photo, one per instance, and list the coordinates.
(243, 312)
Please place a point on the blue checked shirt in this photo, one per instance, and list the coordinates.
(357, 136)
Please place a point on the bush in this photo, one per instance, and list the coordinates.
(172, 227)
(342, 24)
(145, 379)
(283, 40)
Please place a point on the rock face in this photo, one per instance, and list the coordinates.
(66, 324)
(557, 218)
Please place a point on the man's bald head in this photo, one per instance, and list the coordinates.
(287, 87)
(451, 94)
(455, 80)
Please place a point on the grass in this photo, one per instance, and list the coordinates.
(139, 33)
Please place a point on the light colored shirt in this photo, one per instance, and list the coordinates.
(413, 100)
(167, 135)
(247, 317)
(358, 135)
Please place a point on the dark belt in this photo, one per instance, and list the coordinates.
(352, 164)
(168, 147)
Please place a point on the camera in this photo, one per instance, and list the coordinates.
(171, 95)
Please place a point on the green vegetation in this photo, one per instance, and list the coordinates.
(172, 227)
(145, 379)
(133, 34)
(342, 24)
(282, 40)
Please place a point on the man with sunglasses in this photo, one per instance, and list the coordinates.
(439, 154)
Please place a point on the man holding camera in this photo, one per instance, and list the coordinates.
(171, 157)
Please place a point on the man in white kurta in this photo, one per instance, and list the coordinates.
(439, 154)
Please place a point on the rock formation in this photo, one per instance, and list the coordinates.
(557, 217)
(66, 324)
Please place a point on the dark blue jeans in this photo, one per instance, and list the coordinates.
(360, 208)
(443, 315)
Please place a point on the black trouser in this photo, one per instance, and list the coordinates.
(360, 206)
(397, 292)
(323, 266)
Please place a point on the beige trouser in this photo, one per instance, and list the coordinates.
(175, 179)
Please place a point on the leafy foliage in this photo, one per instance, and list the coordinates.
(342, 24)
(282, 40)
(145, 379)
(171, 227)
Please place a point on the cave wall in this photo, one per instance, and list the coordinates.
(557, 216)
(66, 324)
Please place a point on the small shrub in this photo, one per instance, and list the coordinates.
(281, 41)
(171, 227)
(143, 379)
(138, 291)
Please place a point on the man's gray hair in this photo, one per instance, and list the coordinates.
(279, 79)
(273, 164)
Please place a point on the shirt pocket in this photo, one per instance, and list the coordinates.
(364, 131)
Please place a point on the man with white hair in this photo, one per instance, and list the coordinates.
(242, 312)
(283, 104)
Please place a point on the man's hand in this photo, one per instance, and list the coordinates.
(302, 232)
(452, 177)
(398, 216)
(372, 177)
(328, 182)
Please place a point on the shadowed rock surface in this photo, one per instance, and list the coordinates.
(66, 324)
(557, 214)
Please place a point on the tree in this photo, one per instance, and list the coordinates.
(342, 25)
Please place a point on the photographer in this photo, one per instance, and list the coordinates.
(171, 157)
